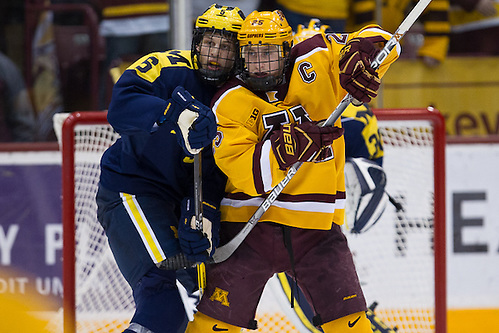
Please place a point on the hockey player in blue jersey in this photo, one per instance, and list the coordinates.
(159, 108)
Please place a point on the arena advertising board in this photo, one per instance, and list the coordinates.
(463, 89)
(30, 224)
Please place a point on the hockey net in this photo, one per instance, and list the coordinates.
(400, 260)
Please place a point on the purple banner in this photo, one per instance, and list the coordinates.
(31, 230)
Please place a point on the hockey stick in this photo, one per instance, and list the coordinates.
(225, 251)
(198, 193)
(398, 206)
(198, 211)
(180, 261)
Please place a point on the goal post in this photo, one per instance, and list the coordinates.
(84, 136)
(97, 297)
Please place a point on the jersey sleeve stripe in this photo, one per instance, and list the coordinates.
(308, 54)
(341, 200)
(257, 179)
(221, 97)
(265, 169)
(262, 171)
(377, 31)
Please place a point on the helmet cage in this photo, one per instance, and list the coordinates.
(265, 40)
(263, 65)
(214, 61)
(214, 43)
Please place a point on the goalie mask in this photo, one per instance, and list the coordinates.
(365, 183)
(265, 41)
(214, 43)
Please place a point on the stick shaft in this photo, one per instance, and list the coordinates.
(198, 192)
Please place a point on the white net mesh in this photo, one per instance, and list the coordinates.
(103, 298)
(395, 258)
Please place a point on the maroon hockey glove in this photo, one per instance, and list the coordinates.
(301, 142)
(356, 75)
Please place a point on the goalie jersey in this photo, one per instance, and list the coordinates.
(147, 158)
(362, 137)
(315, 197)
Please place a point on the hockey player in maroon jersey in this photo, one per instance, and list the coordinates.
(365, 180)
(267, 121)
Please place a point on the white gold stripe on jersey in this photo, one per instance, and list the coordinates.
(308, 54)
(217, 102)
(265, 168)
(340, 203)
(383, 33)
(303, 206)
(143, 227)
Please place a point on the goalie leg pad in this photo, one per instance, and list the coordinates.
(354, 323)
(203, 323)
(366, 198)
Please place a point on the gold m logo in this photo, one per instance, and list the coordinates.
(221, 296)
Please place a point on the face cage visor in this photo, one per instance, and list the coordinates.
(263, 65)
(214, 53)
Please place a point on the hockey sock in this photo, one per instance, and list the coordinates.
(204, 324)
(354, 323)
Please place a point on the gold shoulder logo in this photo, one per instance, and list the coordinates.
(271, 96)
(253, 117)
(221, 296)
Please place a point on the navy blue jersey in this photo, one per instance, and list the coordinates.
(362, 137)
(147, 158)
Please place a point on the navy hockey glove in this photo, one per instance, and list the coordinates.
(356, 75)
(195, 123)
(302, 142)
(196, 244)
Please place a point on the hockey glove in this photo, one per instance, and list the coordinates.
(301, 142)
(356, 75)
(194, 122)
(198, 245)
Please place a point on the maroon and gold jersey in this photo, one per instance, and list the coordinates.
(315, 196)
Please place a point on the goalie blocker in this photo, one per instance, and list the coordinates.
(365, 183)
